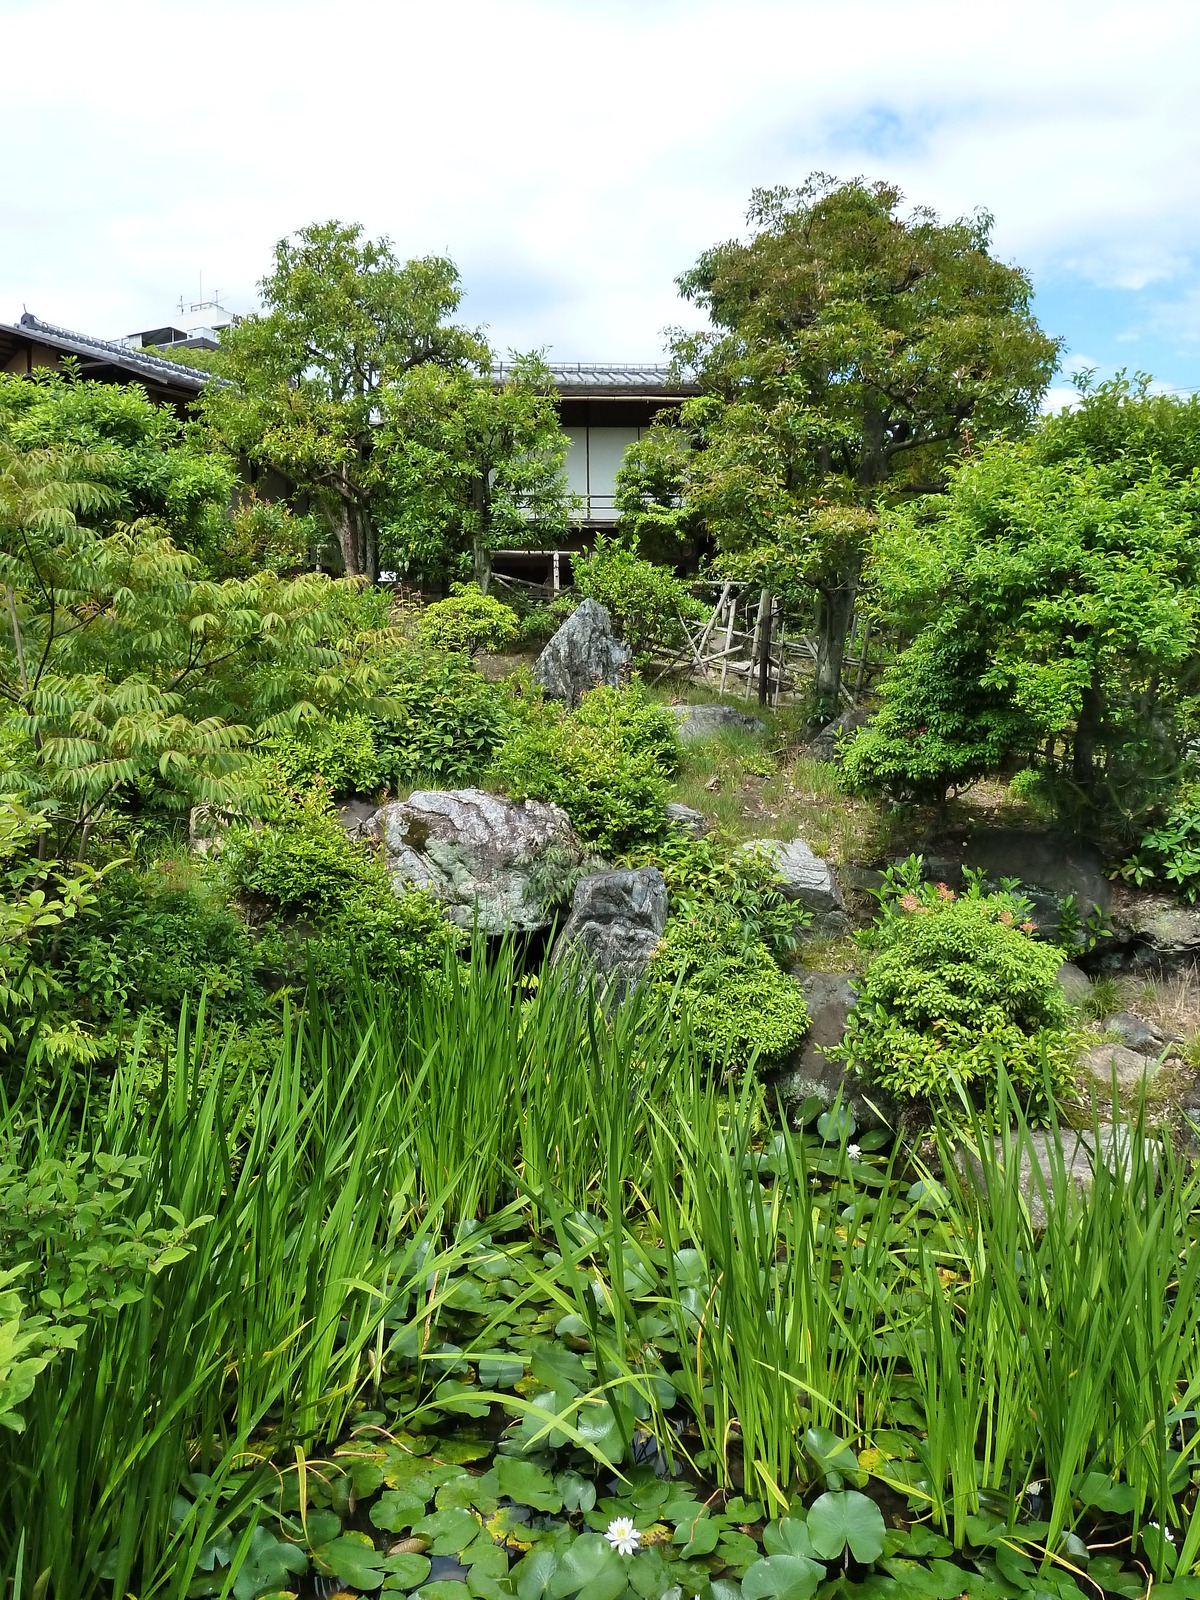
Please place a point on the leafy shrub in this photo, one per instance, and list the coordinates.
(955, 985)
(939, 726)
(606, 763)
(304, 864)
(711, 970)
(468, 621)
(645, 601)
(342, 754)
(1170, 850)
(445, 723)
(713, 872)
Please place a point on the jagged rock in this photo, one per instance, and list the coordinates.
(1135, 1033)
(1076, 985)
(693, 822)
(477, 852)
(357, 817)
(1051, 867)
(823, 746)
(707, 722)
(805, 877)
(617, 919)
(1150, 932)
(1132, 1069)
(584, 653)
(812, 1076)
(810, 881)
(1078, 1150)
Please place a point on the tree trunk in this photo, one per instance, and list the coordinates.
(833, 627)
(480, 556)
(347, 532)
(1087, 734)
(370, 548)
(764, 649)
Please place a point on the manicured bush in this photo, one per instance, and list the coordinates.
(444, 724)
(711, 970)
(606, 763)
(957, 985)
(468, 621)
(1169, 852)
(341, 754)
(647, 602)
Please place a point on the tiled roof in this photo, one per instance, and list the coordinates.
(111, 352)
(605, 377)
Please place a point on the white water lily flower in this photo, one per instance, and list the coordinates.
(1033, 1488)
(853, 1151)
(623, 1536)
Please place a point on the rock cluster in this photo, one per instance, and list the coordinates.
(810, 881)
(706, 722)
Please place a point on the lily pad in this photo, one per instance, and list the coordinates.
(846, 1518)
(782, 1577)
(527, 1483)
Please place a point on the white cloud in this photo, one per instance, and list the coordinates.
(573, 155)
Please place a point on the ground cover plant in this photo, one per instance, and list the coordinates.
(475, 1294)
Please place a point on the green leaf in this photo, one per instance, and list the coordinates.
(699, 1536)
(397, 1509)
(406, 1569)
(527, 1483)
(498, 1370)
(832, 1456)
(846, 1517)
(782, 1578)
(353, 1559)
(533, 1573)
(788, 1537)
(590, 1568)
(449, 1532)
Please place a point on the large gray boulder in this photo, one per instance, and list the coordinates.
(709, 722)
(812, 1075)
(477, 852)
(809, 880)
(1130, 1068)
(584, 653)
(687, 818)
(1051, 867)
(1038, 1156)
(616, 921)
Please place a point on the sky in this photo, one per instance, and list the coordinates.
(574, 156)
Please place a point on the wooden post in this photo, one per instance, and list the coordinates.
(766, 613)
(557, 572)
(862, 657)
(728, 639)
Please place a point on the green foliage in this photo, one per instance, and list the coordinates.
(122, 665)
(441, 724)
(472, 465)
(40, 897)
(606, 763)
(304, 865)
(1059, 597)
(852, 352)
(940, 724)
(712, 970)
(956, 991)
(647, 602)
(342, 320)
(1169, 851)
(341, 754)
(468, 621)
(713, 874)
(651, 490)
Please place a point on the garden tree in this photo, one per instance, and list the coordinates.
(122, 665)
(342, 320)
(472, 464)
(657, 516)
(852, 352)
(1062, 617)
